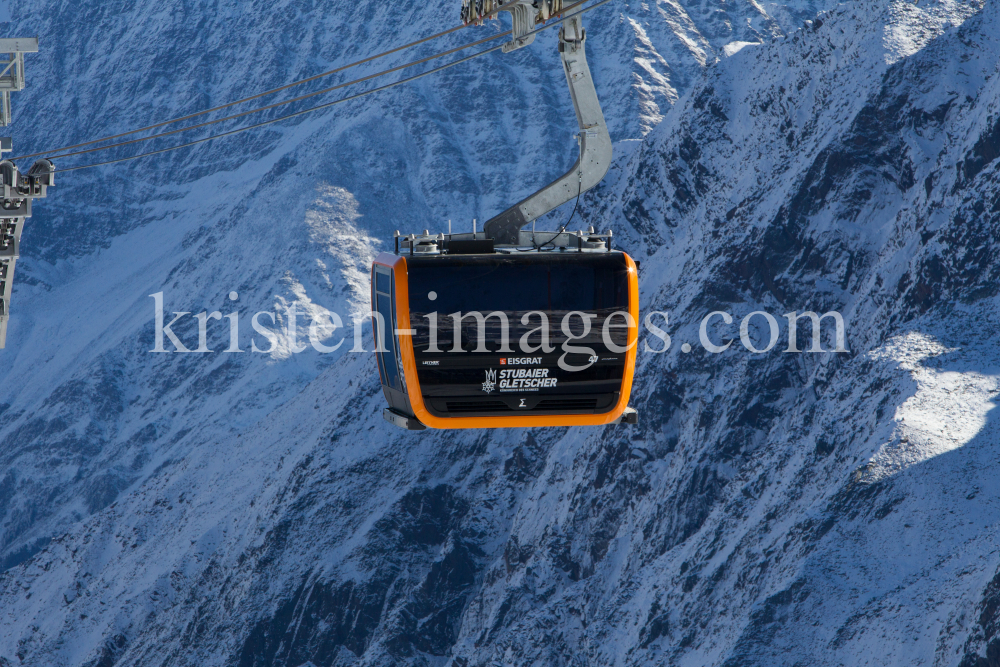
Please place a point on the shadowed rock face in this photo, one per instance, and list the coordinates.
(291, 214)
(776, 509)
(986, 634)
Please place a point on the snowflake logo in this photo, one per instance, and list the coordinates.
(491, 381)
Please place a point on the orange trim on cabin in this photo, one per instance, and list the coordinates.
(398, 265)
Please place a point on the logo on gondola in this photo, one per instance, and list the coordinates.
(521, 361)
(522, 404)
(491, 381)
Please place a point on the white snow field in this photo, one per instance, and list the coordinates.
(253, 509)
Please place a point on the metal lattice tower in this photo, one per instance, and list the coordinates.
(12, 75)
(16, 189)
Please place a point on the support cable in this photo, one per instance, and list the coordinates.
(247, 99)
(319, 106)
(280, 104)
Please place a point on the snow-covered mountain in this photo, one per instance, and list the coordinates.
(253, 509)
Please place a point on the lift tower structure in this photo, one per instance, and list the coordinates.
(17, 190)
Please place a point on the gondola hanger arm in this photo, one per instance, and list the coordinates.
(595, 142)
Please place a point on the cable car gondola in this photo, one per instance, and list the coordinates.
(507, 327)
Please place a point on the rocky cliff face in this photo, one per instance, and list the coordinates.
(773, 509)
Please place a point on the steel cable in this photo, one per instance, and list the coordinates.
(311, 109)
(245, 99)
(277, 104)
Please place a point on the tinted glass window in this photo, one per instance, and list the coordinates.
(387, 360)
(375, 327)
(505, 284)
(515, 285)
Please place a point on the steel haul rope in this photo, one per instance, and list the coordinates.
(296, 99)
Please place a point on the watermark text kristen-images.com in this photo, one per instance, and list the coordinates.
(575, 326)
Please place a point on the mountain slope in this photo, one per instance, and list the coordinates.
(287, 215)
(777, 509)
